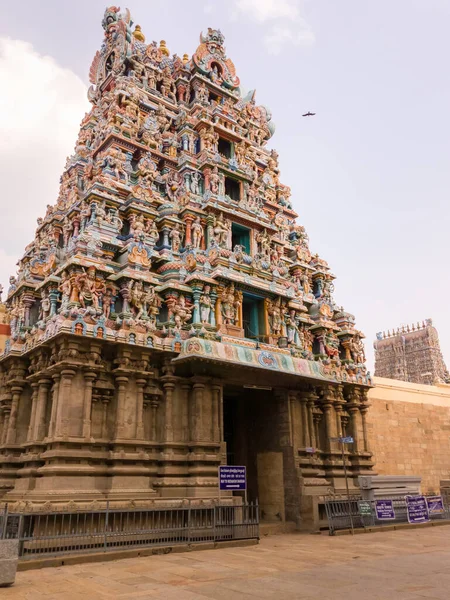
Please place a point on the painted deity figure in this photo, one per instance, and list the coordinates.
(292, 329)
(152, 303)
(331, 345)
(137, 226)
(197, 233)
(214, 181)
(85, 215)
(44, 311)
(276, 311)
(65, 287)
(181, 312)
(221, 231)
(137, 295)
(108, 302)
(151, 230)
(357, 349)
(89, 292)
(148, 170)
(175, 237)
(230, 304)
(195, 183)
(67, 231)
(205, 305)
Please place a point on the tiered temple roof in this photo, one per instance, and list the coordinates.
(172, 229)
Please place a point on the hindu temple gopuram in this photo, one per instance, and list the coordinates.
(168, 316)
(411, 353)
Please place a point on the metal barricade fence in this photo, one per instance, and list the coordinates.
(343, 513)
(50, 534)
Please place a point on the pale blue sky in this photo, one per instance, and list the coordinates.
(369, 174)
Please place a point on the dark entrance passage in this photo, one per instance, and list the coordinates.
(252, 431)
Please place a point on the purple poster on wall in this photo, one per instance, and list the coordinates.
(385, 510)
(417, 509)
(435, 505)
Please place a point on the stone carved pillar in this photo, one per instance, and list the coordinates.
(2, 423)
(338, 404)
(353, 409)
(306, 439)
(31, 423)
(105, 402)
(87, 404)
(312, 397)
(364, 407)
(55, 396)
(122, 383)
(169, 387)
(196, 293)
(216, 413)
(197, 412)
(16, 391)
(62, 420)
(7, 412)
(154, 406)
(317, 417)
(330, 421)
(188, 219)
(140, 383)
(41, 410)
(186, 388)
(219, 309)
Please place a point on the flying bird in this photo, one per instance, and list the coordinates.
(309, 114)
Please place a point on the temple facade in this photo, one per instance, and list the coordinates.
(411, 353)
(168, 316)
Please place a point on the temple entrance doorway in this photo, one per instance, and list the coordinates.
(252, 437)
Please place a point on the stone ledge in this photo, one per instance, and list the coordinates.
(396, 527)
(60, 561)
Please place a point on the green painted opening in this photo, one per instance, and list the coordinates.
(240, 235)
(253, 316)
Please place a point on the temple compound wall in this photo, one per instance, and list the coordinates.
(409, 430)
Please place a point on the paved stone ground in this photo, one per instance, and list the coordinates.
(408, 564)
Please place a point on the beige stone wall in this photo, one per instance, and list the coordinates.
(409, 430)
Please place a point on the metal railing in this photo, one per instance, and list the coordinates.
(55, 534)
(344, 513)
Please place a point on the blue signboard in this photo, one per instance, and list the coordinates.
(435, 505)
(232, 478)
(347, 440)
(385, 510)
(417, 509)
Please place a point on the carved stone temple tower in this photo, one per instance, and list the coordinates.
(411, 354)
(168, 315)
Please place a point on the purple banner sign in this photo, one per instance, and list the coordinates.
(385, 510)
(232, 478)
(435, 505)
(417, 509)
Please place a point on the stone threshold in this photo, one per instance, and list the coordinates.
(76, 559)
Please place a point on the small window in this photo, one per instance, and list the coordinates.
(225, 148)
(232, 187)
(240, 236)
(213, 97)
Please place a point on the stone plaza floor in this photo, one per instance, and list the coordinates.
(407, 564)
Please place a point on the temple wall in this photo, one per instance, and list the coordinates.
(409, 430)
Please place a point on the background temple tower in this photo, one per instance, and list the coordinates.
(411, 354)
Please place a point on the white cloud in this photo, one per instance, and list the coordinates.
(41, 107)
(265, 10)
(287, 24)
(279, 35)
